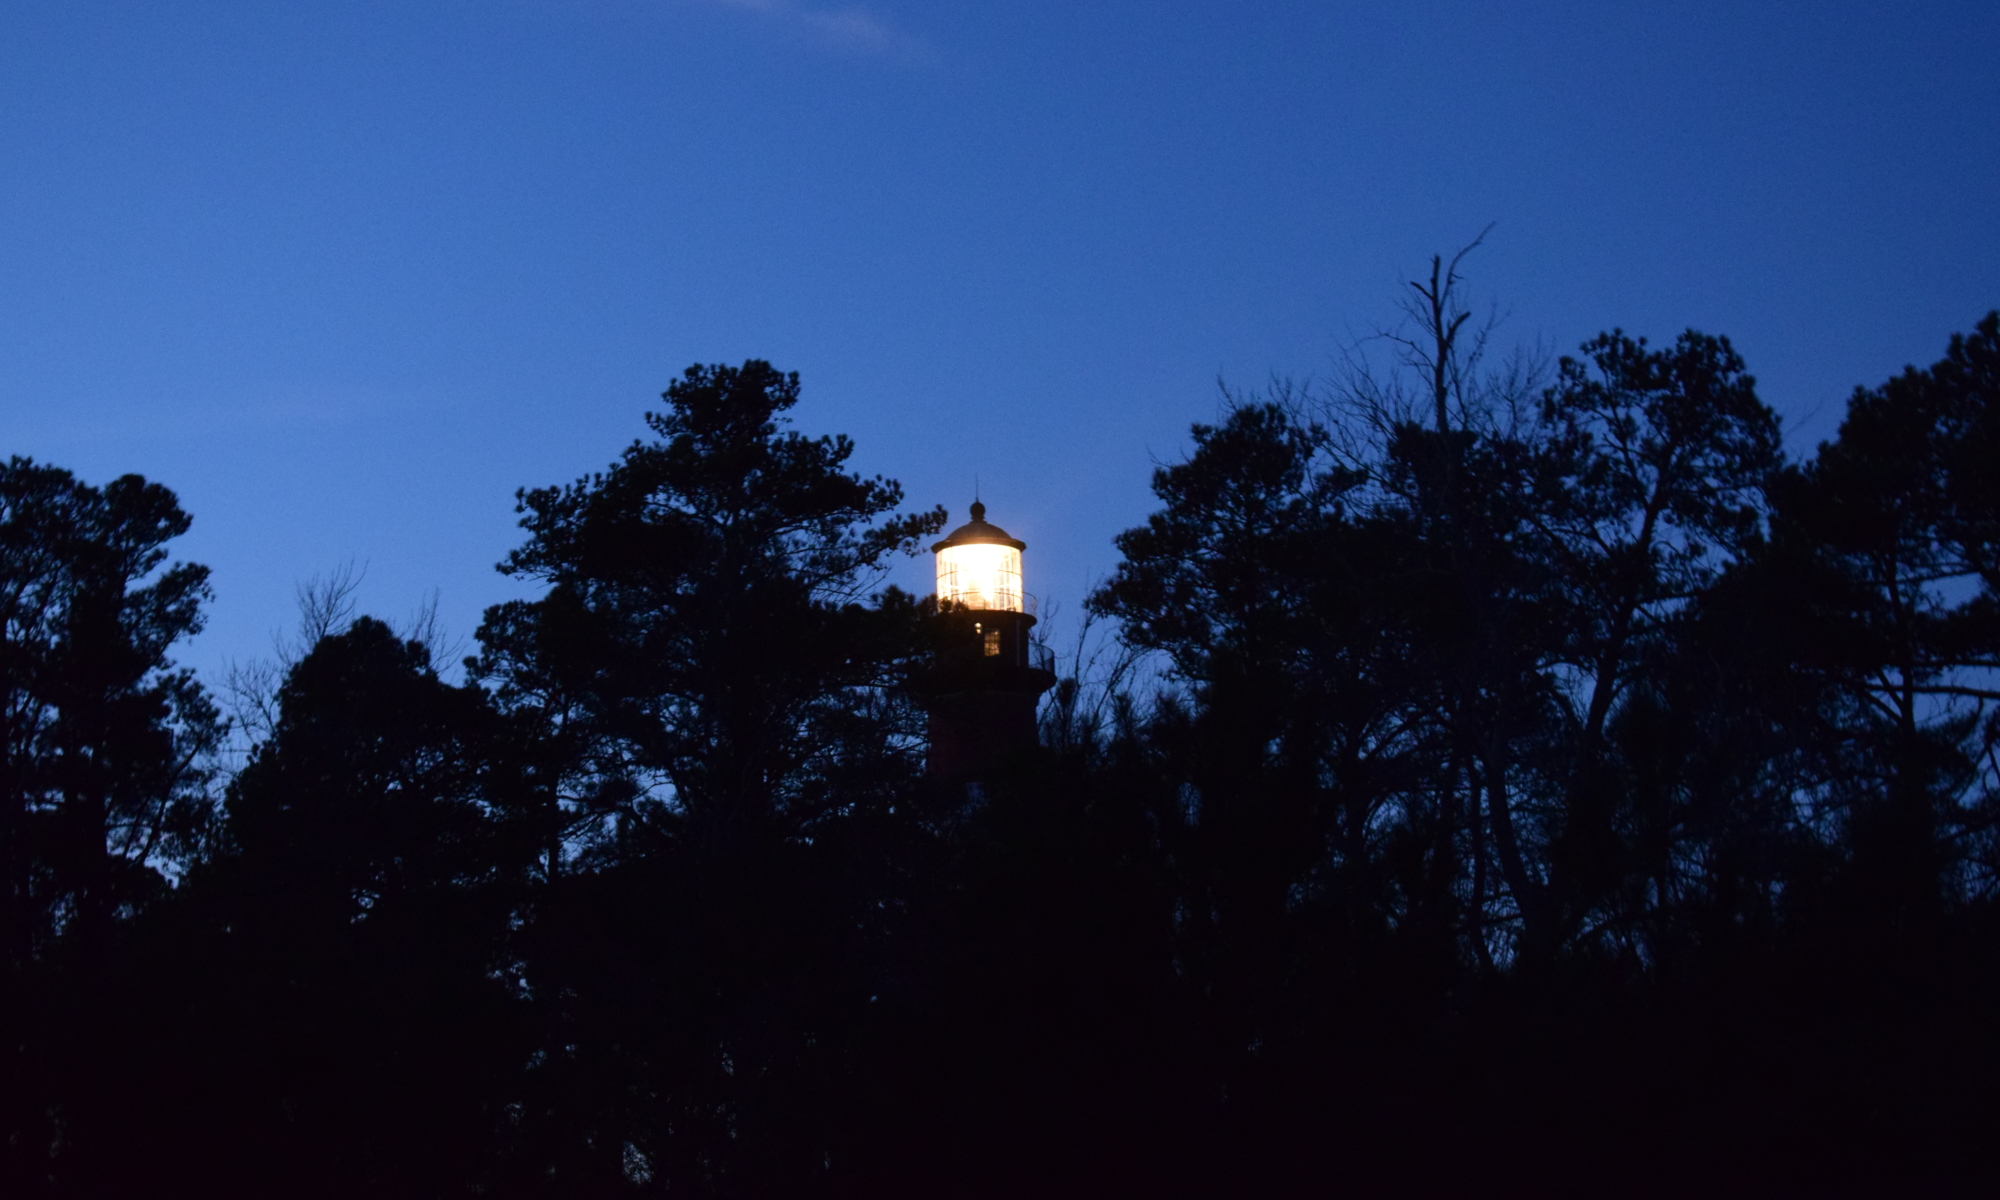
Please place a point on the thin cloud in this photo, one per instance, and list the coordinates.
(846, 28)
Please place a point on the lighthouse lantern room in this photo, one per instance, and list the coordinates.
(979, 566)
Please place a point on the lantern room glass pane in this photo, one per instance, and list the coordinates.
(979, 576)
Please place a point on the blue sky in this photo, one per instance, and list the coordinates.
(345, 275)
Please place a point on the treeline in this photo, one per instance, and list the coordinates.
(1541, 782)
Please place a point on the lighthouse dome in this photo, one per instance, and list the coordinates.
(979, 532)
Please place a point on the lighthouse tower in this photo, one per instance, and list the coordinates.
(983, 685)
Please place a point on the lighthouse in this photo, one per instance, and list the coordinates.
(986, 677)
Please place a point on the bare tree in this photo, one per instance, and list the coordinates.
(426, 626)
(326, 605)
(1441, 316)
(1439, 374)
(1099, 677)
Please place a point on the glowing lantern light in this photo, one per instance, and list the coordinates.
(979, 566)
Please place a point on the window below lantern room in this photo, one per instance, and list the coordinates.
(993, 643)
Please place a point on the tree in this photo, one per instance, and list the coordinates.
(724, 761)
(104, 740)
(702, 624)
(103, 779)
(1651, 480)
(1556, 554)
(1878, 587)
(1300, 759)
(329, 1004)
(1654, 473)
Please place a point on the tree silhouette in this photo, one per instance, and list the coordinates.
(103, 785)
(717, 725)
(1575, 795)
